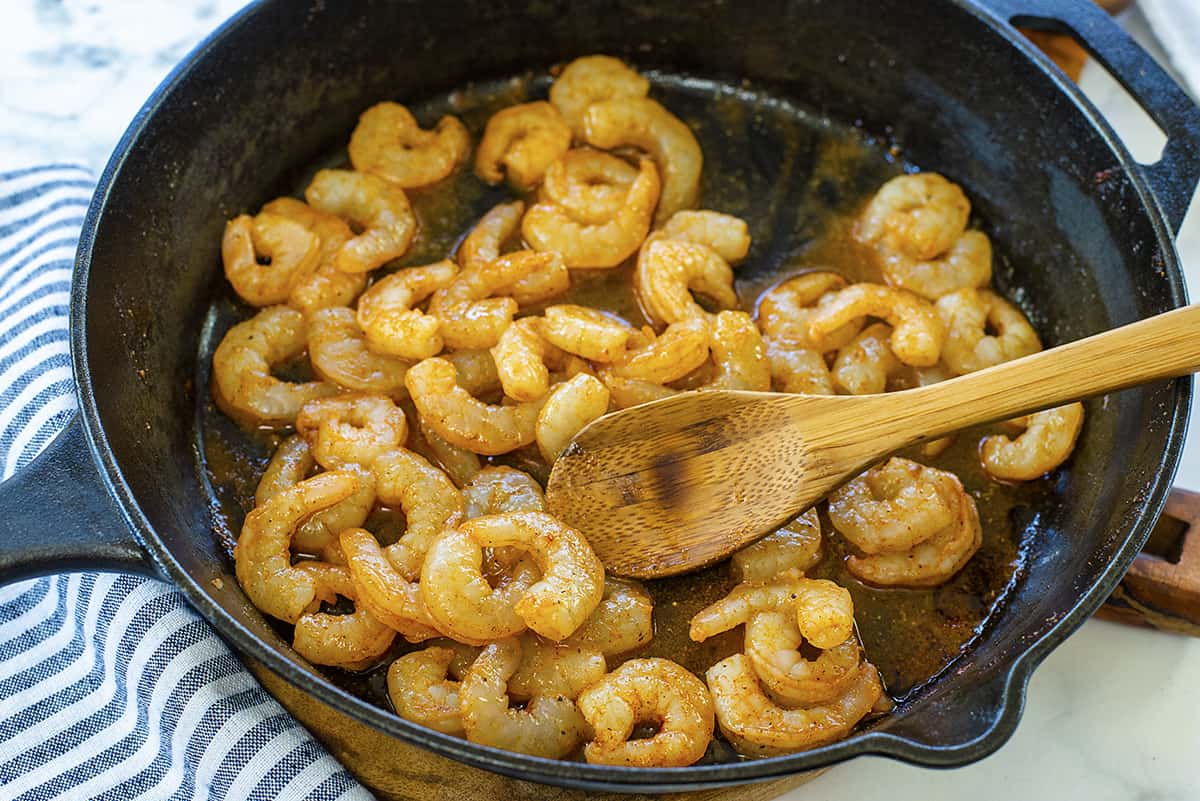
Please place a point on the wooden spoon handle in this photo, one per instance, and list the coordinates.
(1163, 346)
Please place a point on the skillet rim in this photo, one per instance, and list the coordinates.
(1012, 682)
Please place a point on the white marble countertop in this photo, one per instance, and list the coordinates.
(1112, 714)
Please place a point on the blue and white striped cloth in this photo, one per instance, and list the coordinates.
(111, 687)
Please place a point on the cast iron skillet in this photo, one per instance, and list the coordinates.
(282, 82)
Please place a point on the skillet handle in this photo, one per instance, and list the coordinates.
(1173, 178)
(57, 516)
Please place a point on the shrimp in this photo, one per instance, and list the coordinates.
(353, 429)
(739, 354)
(263, 559)
(354, 641)
(422, 691)
(338, 350)
(551, 669)
(521, 355)
(645, 124)
(773, 644)
(590, 185)
(593, 334)
(623, 621)
(242, 382)
(654, 691)
(755, 726)
(796, 545)
(464, 421)
(924, 377)
(823, 610)
(548, 726)
(668, 271)
(550, 227)
(968, 314)
(917, 331)
(429, 501)
(626, 392)
(521, 142)
(460, 464)
(1046, 442)
(476, 370)
(864, 366)
(679, 350)
(725, 234)
(919, 215)
(266, 256)
(387, 317)
(570, 407)
(326, 286)
(784, 312)
(893, 506)
(381, 209)
(482, 246)
(382, 590)
(590, 79)
(966, 265)
(390, 143)
(470, 315)
(797, 369)
(497, 490)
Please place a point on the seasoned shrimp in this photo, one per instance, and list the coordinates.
(352, 429)
(679, 350)
(918, 215)
(460, 464)
(263, 559)
(739, 354)
(498, 489)
(429, 501)
(242, 382)
(623, 622)
(795, 368)
(590, 185)
(654, 691)
(756, 726)
(550, 227)
(463, 420)
(470, 315)
(483, 244)
(864, 366)
(521, 357)
(387, 317)
(380, 208)
(796, 545)
(382, 590)
(773, 644)
(626, 392)
(548, 726)
(589, 80)
(476, 370)
(422, 691)
(337, 348)
(593, 334)
(893, 506)
(326, 286)
(729, 236)
(569, 407)
(1046, 442)
(668, 271)
(823, 610)
(967, 264)
(784, 312)
(353, 641)
(968, 314)
(917, 331)
(266, 256)
(521, 142)
(390, 143)
(551, 669)
(645, 124)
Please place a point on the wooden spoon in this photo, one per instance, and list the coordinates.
(677, 484)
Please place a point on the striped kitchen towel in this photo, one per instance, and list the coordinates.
(111, 687)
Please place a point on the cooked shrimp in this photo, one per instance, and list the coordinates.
(1046, 442)
(483, 244)
(390, 143)
(773, 645)
(460, 464)
(548, 726)
(569, 407)
(822, 609)
(352, 429)
(326, 286)
(382, 590)
(679, 350)
(498, 489)
(387, 317)
(796, 545)
(380, 208)
(476, 370)
(729, 236)
(589, 80)
(521, 355)
(463, 420)
(893, 506)
(656, 691)
(422, 691)
(784, 312)
(590, 185)
(593, 334)
(795, 368)
(266, 256)
(339, 353)
(967, 264)
(521, 142)
(968, 314)
(917, 331)
(353, 641)
(739, 354)
(242, 382)
(646, 125)
(864, 366)
(429, 501)
(623, 622)
(756, 726)
(552, 669)
(919, 215)
(263, 559)
(469, 314)
(668, 271)
(550, 227)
